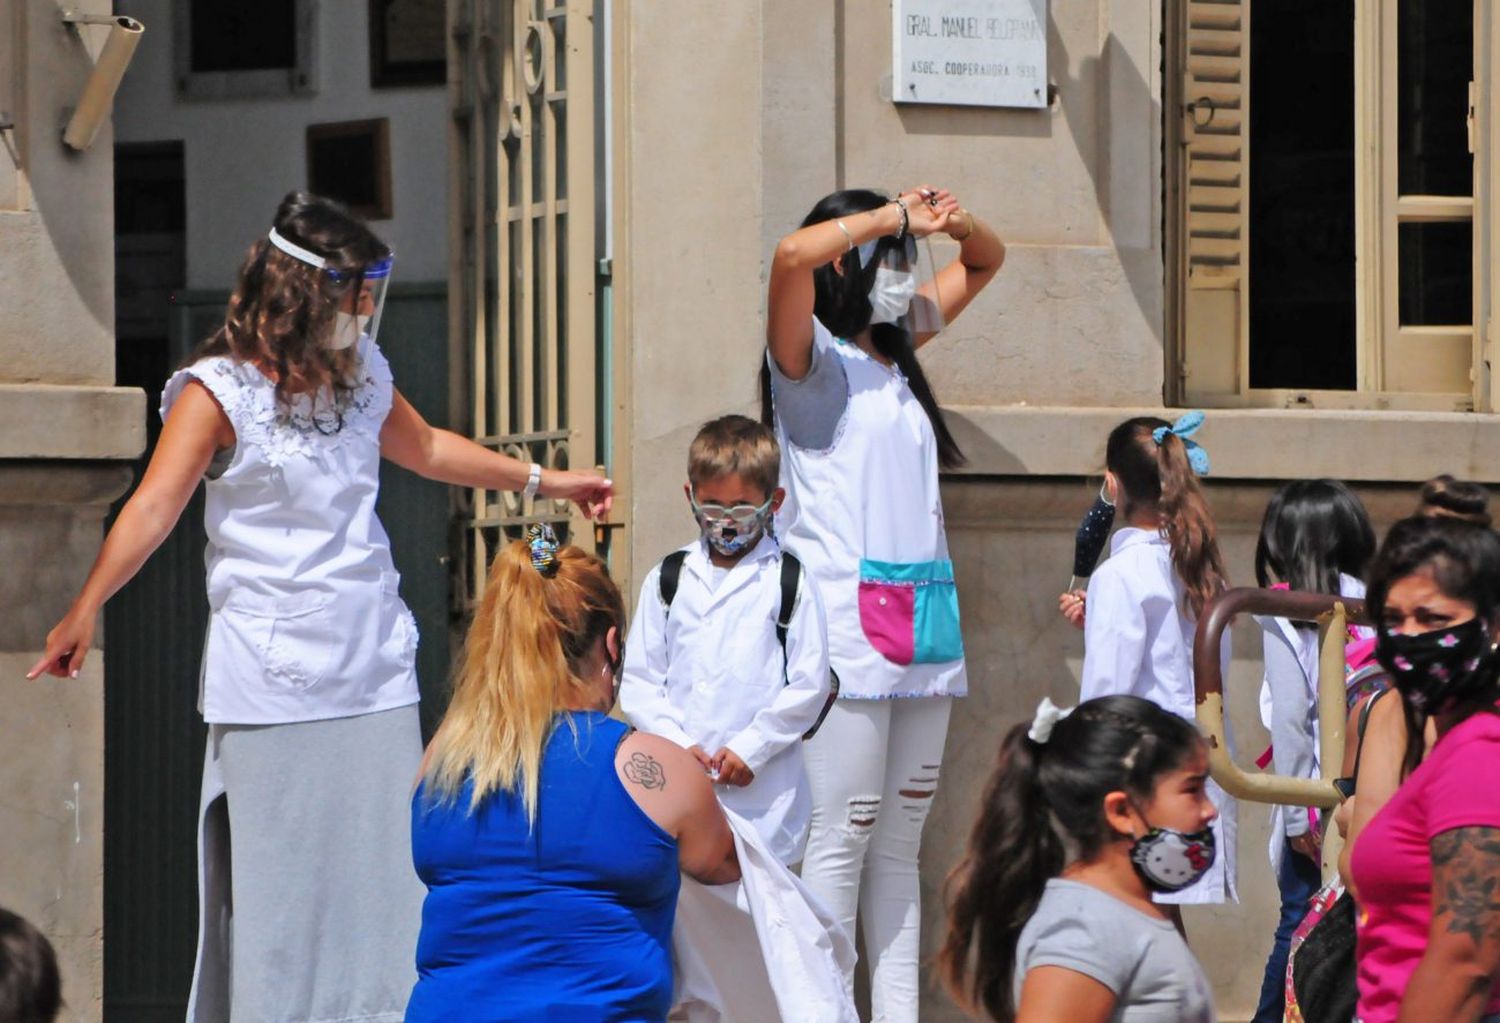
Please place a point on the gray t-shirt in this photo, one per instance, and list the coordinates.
(1141, 958)
(810, 409)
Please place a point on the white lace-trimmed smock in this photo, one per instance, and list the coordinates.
(307, 623)
(863, 512)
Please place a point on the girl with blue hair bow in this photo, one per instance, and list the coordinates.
(1143, 603)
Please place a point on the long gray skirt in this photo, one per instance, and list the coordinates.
(308, 904)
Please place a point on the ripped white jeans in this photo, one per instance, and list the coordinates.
(873, 770)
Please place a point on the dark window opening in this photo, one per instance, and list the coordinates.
(1302, 310)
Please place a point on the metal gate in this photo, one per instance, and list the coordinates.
(523, 296)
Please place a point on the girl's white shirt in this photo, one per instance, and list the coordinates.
(307, 622)
(1289, 709)
(872, 494)
(710, 674)
(1138, 641)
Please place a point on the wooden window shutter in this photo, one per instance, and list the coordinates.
(1213, 196)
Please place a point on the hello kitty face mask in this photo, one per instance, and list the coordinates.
(1169, 860)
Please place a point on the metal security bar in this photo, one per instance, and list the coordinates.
(522, 84)
(1332, 615)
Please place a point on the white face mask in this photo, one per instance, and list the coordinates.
(347, 329)
(891, 294)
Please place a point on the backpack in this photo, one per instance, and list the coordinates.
(791, 579)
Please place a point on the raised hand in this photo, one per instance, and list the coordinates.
(929, 210)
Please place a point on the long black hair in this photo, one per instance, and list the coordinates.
(1111, 744)
(1313, 532)
(842, 304)
(1463, 558)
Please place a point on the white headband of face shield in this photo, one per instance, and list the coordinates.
(348, 327)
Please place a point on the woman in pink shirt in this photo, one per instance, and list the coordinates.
(1426, 869)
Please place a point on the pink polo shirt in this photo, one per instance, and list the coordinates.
(1392, 864)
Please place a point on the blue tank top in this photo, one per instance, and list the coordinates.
(569, 920)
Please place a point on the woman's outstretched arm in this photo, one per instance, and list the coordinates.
(412, 443)
(194, 430)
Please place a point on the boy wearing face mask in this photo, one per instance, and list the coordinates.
(705, 664)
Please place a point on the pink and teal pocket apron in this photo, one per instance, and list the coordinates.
(909, 611)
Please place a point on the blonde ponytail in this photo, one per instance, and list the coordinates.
(520, 665)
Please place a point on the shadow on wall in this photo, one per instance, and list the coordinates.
(1119, 85)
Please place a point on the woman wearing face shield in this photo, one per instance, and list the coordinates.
(309, 907)
(863, 441)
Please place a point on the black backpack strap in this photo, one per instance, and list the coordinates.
(671, 573)
(791, 578)
(1359, 731)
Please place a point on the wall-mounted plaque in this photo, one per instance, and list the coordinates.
(990, 53)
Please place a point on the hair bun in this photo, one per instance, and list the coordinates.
(1460, 499)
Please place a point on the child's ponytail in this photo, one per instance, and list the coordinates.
(1189, 525)
(1159, 474)
(1013, 851)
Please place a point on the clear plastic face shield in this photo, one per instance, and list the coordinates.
(362, 299)
(904, 286)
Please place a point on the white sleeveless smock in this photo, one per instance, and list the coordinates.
(866, 518)
(307, 623)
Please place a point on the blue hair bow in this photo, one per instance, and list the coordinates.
(1183, 429)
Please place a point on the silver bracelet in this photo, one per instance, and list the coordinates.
(847, 236)
(533, 481)
(905, 217)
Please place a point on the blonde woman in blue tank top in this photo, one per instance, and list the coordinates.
(550, 836)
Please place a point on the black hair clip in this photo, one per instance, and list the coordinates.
(543, 543)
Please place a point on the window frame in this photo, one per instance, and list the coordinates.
(1214, 372)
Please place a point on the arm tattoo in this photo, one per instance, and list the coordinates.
(1466, 882)
(644, 771)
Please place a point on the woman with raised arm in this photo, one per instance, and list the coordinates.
(864, 440)
(309, 908)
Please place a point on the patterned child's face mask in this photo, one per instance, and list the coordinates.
(731, 529)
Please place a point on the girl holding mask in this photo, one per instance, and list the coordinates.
(863, 441)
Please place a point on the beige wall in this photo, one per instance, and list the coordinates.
(63, 432)
(732, 127)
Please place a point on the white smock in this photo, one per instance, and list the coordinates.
(762, 948)
(711, 674)
(1289, 710)
(306, 622)
(1138, 641)
(865, 516)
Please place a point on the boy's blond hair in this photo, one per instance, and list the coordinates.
(735, 445)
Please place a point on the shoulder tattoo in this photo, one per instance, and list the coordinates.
(1466, 882)
(643, 770)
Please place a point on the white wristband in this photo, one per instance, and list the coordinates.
(533, 482)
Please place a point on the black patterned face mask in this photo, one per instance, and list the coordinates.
(1093, 534)
(1434, 670)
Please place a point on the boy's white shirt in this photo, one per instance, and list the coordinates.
(710, 674)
